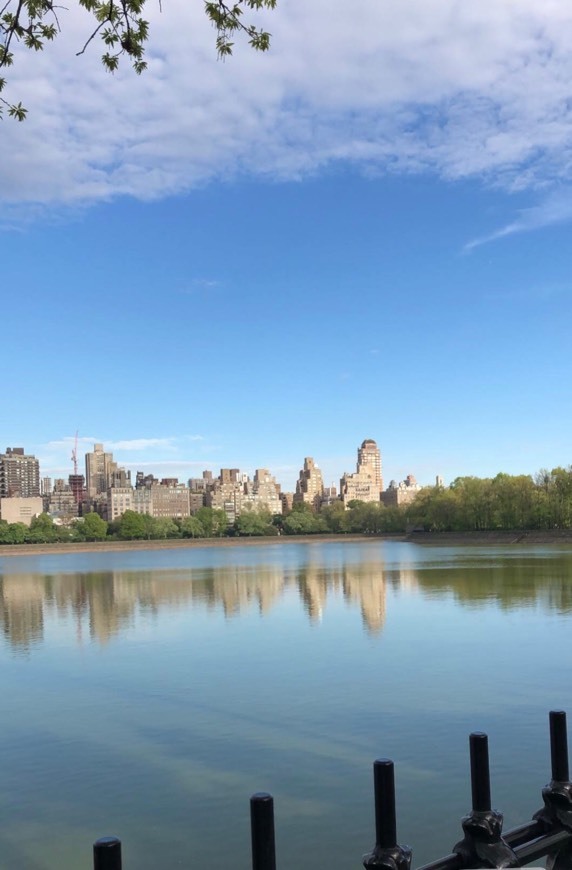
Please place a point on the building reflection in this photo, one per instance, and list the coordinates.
(101, 605)
(22, 610)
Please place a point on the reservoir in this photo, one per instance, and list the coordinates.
(148, 694)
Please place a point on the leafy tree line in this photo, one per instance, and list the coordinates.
(504, 502)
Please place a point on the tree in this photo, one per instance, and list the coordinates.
(164, 527)
(191, 527)
(121, 27)
(304, 522)
(133, 526)
(213, 521)
(335, 517)
(252, 522)
(93, 528)
(17, 533)
(42, 530)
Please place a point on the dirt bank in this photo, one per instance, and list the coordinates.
(177, 544)
(459, 539)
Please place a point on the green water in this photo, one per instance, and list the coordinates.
(148, 694)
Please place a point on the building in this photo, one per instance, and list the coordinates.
(19, 474)
(77, 486)
(263, 493)
(119, 500)
(163, 500)
(21, 510)
(310, 485)
(99, 468)
(287, 499)
(225, 492)
(398, 494)
(62, 503)
(329, 496)
(196, 501)
(234, 492)
(170, 500)
(369, 461)
(366, 484)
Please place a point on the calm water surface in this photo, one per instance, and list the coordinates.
(148, 694)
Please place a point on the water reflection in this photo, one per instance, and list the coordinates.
(103, 604)
(108, 601)
(511, 581)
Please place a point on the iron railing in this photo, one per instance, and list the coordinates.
(549, 833)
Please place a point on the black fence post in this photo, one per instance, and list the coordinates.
(480, 772)
(556, 815)
(386, 852)
(483, 845)
(262, 831)
(107, 854)
(559, 746)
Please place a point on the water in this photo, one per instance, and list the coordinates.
(148, 694)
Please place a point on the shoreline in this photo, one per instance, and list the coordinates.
(443, 539)
(183, 543)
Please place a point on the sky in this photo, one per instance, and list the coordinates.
(363, 233)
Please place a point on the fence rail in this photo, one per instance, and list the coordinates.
(548, 834)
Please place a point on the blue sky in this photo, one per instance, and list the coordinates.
(363, 234)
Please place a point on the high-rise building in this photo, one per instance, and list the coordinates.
(310, 485)
(369, 461)
(19, 474)
(366, 484)
(263, 493)
(99, 467)
(77, 486)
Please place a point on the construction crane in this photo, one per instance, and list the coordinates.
(74, 455)
(76, 481)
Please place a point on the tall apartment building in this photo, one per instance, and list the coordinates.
(263, 493)
(366, 484)
(310, 485)
(19, 474)
(225, 494)
(369, 461)
(234, 492)
(99, 468)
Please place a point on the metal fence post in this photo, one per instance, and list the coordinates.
(262, 831)
(107, 854)
(483, 844)
(386, 852)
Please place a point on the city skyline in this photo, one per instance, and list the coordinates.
(98, 468)
(53, 462)
(364, 232)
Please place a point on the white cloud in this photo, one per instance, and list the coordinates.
(455, 88)
(556, 209)
(56, 456)
(126, 444)
(137, 444)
